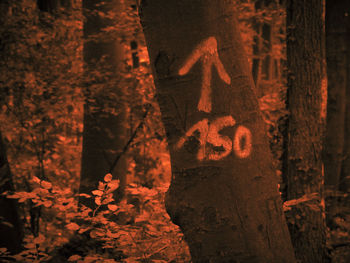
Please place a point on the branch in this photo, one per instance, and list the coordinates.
(142, 122)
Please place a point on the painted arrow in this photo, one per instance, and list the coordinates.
(207, 52)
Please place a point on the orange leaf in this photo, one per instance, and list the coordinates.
(74, 258)
(97, 192)
(73, 226)
(108, 178)
(112, 207)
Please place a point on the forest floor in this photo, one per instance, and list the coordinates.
(338, 238)
(138, 229)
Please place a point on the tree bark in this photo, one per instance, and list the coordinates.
(257, 60)
(344, 184)
(52, 5)
(336, 52)
(303, 163)
(10, 236)
(104, 131)
(263, 63)
(223, 192)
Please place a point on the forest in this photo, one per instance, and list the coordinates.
(153, 131)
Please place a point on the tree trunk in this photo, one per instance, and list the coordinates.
(345, 174)
(223, 193)
(263, 63)
(10, 236)
(337, 71)
(256, 65)
(104, 130)
(336, 43)
(52, 5)
(303, 163)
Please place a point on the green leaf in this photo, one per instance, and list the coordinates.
(112, 235)
(83, 230)
(74, 258)
(36, 179)
(47, 203)
(39, 239)
(46, 185)
(85, 195)
(29, 245)
(97, 233)
(22, 200)
(113, 185)
(98, 200)
(112, 207)
(73, 226)
(97, 192)
(101, 186)
(108, 178)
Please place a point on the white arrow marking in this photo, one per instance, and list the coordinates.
(207, 52)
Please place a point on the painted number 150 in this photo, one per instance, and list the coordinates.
(213, 145)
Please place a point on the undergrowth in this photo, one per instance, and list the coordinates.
(137, 229)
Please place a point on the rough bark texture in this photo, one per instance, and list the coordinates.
(303, 164)
(345, 173)
(336, 159)
(10, 237)
(257, 46)
(104, 132)
(223, 193)
(337, 64)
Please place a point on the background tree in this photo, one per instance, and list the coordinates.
(53, 6)
(11, 232)
(267, 52)
(41, 118)
(225, 200)
(104, 112)
(40, 105)
(303, 163)
(336, 145)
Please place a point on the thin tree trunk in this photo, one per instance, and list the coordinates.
(303, 163)
(10, 236)
(104, 131)
(257, 61)
(267, 36)
(223, 193)
(336, 41)
(337, 73)
(52, 5)
(344, 184)
(262, 64)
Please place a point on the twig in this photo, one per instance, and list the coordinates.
(148, 106)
